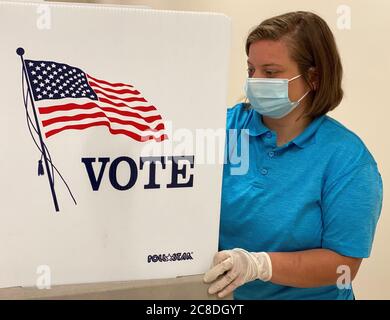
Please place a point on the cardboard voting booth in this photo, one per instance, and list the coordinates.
(111, 142)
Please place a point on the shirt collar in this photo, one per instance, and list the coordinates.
(307, 137)
(255, 125)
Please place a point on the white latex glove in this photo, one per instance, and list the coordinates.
(233, 268)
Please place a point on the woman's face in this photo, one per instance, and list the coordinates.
(270, 59)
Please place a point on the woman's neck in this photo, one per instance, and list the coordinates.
(288, 127)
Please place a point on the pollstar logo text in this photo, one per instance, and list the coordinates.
(170, 257)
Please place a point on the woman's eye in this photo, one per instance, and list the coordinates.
(267, 73)
(270, 73)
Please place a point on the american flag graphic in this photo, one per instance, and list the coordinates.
(67, 98)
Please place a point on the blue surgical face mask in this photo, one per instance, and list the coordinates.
(269, 97)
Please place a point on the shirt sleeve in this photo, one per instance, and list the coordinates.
(351, 207)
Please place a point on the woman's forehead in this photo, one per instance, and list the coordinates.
(269, 52)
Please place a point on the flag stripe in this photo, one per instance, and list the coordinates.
(114, 125)
(85, 106)
(119, 98)
(78, 117)
(130, 134)
(121, 104)
(122, 91)
(110, 83)
(73, 106)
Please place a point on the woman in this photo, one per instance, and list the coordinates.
(304, 214)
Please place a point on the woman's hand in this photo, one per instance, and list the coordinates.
(233, 268)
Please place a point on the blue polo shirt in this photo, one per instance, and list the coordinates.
(320, 190)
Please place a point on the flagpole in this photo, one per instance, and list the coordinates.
(20, 52)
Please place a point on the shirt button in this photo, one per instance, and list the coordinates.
(271, 154)
(268, 135)
(264, 171)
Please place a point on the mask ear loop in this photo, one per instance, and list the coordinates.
(296, 77)
(299, 101)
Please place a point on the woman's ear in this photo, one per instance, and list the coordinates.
(313, 78)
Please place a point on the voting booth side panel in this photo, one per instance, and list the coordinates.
(103, 177)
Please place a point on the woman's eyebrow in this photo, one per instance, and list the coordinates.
(271, 64)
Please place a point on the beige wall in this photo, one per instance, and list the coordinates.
(365, 50)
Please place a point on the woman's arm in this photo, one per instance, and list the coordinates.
(302, 269)
(310, 268)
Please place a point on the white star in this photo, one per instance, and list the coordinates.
(53, 65)
(67, 91)
(74, 70)
(33, 73)
(48, 68)
(62, 95)
(56, 91)
(30, 64)
(92, 96)
(60, 87)
(44, 72)
(47, 80)
(61, 77)
(37, 89)
(39, 77)
(39, 96)
(42, 64)
(70, 72)
(50, 95)
(73, 94)
(58, 80)
(44, 92)
(55, 73)
(51, 76)
(35, 81)
(37, 68)
(83, 94)
(42, 84)
(48, 88)
(53, 84)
